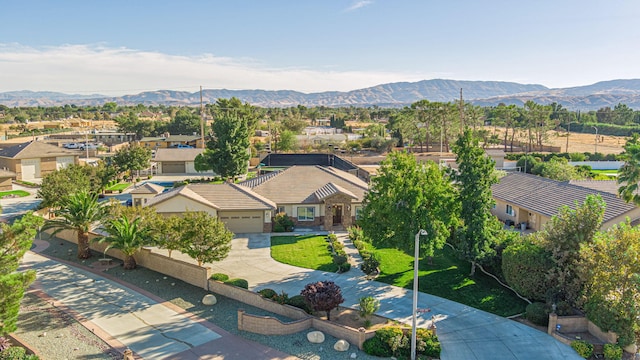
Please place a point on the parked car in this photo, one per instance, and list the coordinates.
(183, 146)
(129, 202)
(71, 146)
(88, 146)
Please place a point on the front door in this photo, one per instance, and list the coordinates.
(337, 214)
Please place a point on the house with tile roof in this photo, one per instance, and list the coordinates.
(177, 161)
(168, 141)
(145, 192)
(533, 200)
(314, 196)
(34, 159)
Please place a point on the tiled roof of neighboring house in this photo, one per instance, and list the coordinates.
(148, 188)
(178, 138)
(6, 174)
(183, 154)
(219, 196)
(546, 196)
(299, 184)
(34, 149)
(609, 186)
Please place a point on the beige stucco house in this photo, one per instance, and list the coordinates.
(177, 161)
(533, 200)
(6, 180)
(32, 160)
(145, 192)
(314, 196)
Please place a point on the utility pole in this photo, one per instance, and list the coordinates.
(201, 119)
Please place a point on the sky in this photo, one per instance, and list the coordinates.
(119, 47)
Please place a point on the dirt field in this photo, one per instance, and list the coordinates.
(578, 142)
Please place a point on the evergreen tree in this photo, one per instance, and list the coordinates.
(629, 175)
(474, 178)
(227, 153)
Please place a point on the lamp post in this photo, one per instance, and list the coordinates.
(415, 292)
(596, 139)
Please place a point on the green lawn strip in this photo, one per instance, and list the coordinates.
(613, 171)
(309, 251)
(118, 187)
(19, 193)
(448, 277)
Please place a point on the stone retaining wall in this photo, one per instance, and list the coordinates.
(577, 324)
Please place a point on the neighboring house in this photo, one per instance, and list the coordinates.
(177, 160)
(6, 178)
(523, 198)
(313, 195)
(242, 210)
(110, 138)
(496, 155)
(170, 141)
(145, 192)
(34, 159)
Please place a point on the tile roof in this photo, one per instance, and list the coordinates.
(546, 196)
(300, 184)
(219, 196)
(148, 188)
(34, 149)
(173, 138)
(609, 186)
(332, 189)
(173, 154)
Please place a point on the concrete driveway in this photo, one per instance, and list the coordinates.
(465, 332)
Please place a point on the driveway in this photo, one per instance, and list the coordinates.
(464, 332)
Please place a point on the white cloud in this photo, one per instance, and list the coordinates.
(88, 69)
(359, 4)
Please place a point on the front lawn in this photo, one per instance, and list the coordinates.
(448, 277)
(118, 187)
(13, 193)
(309, 251)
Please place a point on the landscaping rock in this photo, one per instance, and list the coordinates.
(353, 355)
(209, 300)
(315, 337)
(341, 345)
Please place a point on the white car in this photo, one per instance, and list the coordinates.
(71, 146)
(88, 146)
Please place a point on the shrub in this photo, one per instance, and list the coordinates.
(298, 301)
(323, 296)
(281, 298)
(392, 341)
(525, 266)
(282, 223)
(368, 306)
(391, 336)
(16, 353)
(563, 308)
(612, 352)
(4, 343)
(370, 264)
(359, 244)
(583, 348)
(344, 267)
(220, 277)
(376, 347)
(355, 233)
(268, 293)
(242, 283)
(427, 343)
(537, 313)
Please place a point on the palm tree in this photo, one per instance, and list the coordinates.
(128, 237)
(80, 212)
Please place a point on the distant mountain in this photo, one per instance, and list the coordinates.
(590, 97)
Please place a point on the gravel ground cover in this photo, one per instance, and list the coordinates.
(57, 336)
(223, 314)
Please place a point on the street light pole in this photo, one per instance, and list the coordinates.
(596, 139)
(415, 291)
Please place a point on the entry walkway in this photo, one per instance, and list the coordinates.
(465, 332)
(126, 318)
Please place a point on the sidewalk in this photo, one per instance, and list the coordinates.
(126, 318)
(464, 332)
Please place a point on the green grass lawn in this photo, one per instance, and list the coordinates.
(308, 252)
(448, 277)
(118, 187)
(614, 171)
(19, 193)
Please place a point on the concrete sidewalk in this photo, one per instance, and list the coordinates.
(464, 332)
(125, 318)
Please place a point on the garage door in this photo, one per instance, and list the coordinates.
(30, 169)
(242, 221)
(63, 161)
(173, 167)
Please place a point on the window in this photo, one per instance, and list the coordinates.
(358, 212)
(510, 210)
(306, 213)
(281, 210)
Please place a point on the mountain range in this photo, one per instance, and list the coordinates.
(486, 93)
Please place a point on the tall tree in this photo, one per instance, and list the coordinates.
(15, 240)
(475, 175)
(204, 237)
(227, 153)
(59, 184)
(185, 122)
(405, 197)
(132, 158)
(80, 212)
(127, 236)
(629, 174)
